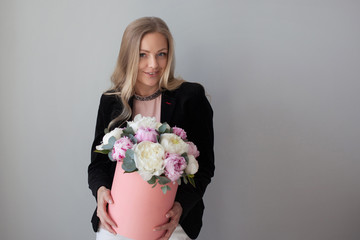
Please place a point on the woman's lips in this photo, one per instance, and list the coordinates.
(152, 74)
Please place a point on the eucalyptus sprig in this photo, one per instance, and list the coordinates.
(160, 180)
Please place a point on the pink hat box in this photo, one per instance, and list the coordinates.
(138, 207)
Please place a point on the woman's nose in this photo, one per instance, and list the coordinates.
(153, 63)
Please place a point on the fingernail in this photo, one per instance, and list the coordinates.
(167, 215)
(110, 202)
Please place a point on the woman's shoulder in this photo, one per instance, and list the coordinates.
(110, 100)
(109, 95)
(190, 88)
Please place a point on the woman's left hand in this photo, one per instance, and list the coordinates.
(174, 214)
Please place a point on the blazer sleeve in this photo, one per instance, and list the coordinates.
(200, 131)
(101, 168)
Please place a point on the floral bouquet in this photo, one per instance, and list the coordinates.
(159, 153)
(154, 152)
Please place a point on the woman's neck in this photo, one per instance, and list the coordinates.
(148, 97)
(145, 92)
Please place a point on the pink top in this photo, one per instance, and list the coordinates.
(150, 108)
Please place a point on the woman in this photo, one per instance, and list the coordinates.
(143, 82)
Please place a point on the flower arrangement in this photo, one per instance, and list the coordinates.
(159, 153)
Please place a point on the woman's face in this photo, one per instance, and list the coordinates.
(152, 63)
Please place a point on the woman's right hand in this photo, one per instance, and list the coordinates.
(104, 198)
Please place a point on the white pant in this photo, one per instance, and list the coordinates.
(103, 234)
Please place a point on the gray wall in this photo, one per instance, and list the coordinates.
(284, 83)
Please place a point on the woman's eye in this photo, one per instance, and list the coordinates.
(142, 55)
(162, 54)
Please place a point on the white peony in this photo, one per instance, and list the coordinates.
(193, 165)
(173, 143)
(145, 122)
(149, 159)
(114, 133)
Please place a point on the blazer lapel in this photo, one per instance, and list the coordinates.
(167, 107)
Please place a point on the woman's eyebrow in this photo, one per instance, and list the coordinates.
(143, 50)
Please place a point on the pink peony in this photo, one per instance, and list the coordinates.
(193, 149)
(146, 134)
(174, 166)
(120, 148)
(180, 132)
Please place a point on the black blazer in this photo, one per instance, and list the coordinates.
(186, 107)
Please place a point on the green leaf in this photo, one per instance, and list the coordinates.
(110, 156)
(152, 180)
(102, 151)
(133, 139)
(108, 146)
(164, 180)
(112, 140)
(154, 185)
(192, 181)
(128, 165)
(128, 130)
(162, 128)
(129, 154)
(185, 180)
(184, 155)
(165, 189)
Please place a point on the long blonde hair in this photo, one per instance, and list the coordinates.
(125, 73)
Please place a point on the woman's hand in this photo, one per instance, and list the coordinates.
(174, 215)
(104, 198)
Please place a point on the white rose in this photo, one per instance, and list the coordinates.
(114, 133)
(173, 143)
(193, 165)
(149, 159)
(145, 122)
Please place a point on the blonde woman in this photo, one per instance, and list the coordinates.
(144, 82)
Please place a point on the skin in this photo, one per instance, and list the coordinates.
(174, 216)
(104, 198)
(152, 63)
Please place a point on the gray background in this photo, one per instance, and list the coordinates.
(284, 83)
